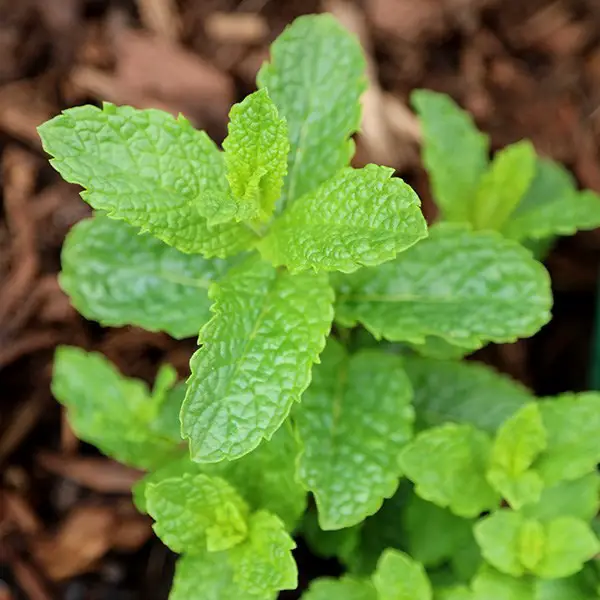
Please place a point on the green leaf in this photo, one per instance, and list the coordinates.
(462, 392)
(257, 353)
(573, 425)
(346, 588)
(455, 478)
(552, 206)
(463, 286)
(147, 168)
(433, 534)
(504, 185)
(264, 562)
(256, 152)
(459, 592)
(210, 576)
(577, 498)
(116, 276)
(359, 217)
(455, 153)
(349, 462)
(578, 587)
(490, 584)
(399, 577)
(197, 512)
(519, 441)
(338, 543)
(316, 77)
(115, 413)
(265, 478)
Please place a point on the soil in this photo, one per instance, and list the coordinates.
(530, 69)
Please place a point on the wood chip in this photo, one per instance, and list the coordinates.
(160, 16)
(236, 28)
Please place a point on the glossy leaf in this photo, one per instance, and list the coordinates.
(117, 277)
(256, 152)
(257, 353)
(315, 77)
(455, 153)
(359, 217)
(399, 577)
(447, 465)
(466, 287)
(117, 414)
(346, 588)
(503, 186)
(149, 169)
(353, 421)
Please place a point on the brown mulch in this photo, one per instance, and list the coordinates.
(524, 69)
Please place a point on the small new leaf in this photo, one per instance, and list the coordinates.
(257, 353)
(256, 152)
(519, 441)
(504, 185)
(359, 217)
(399, 577)
(117, 414)
(117, 277)
(455, 153)
(149, 169)
(350, 462)
(194, 513)
(466, 287)
(456, 477)
(316, 77)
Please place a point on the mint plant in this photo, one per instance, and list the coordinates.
(428, 477)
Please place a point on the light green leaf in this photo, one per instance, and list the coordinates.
(359, 217)
(316, 77)
(518, 443)
(264, 562)
(210, 576)
(433, 534)
(573, 425)
(197, 512)
(117, 414)
(466, 287)
(116, 276)
(552, 206)
(578, 587)
(455, 153)
(577, 498)
(257, 353)
(456, 477)
(459, 592)
(346, 588)
(256, 152)
(350, 462)
(467, 392)
(265, 478)
(490, 584)
(147, 168)
(399, 577)
(504, 185)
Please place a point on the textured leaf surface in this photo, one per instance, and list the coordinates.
(147, 168)
(116, 276)
(447, 465)
(256, 152)
(197, 512)
(518, 443)
(353, 421)
(269, 328)
(503, 186)
(466, 287)
(346, 588)
(573, 425)
(316, 77)
(467, 392)
(359, 217)
(552, 206)
(433, 534)
(399, 577)
(455, 153)
(210, 576)
(115, 413)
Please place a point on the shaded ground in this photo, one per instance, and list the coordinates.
(525, 69)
